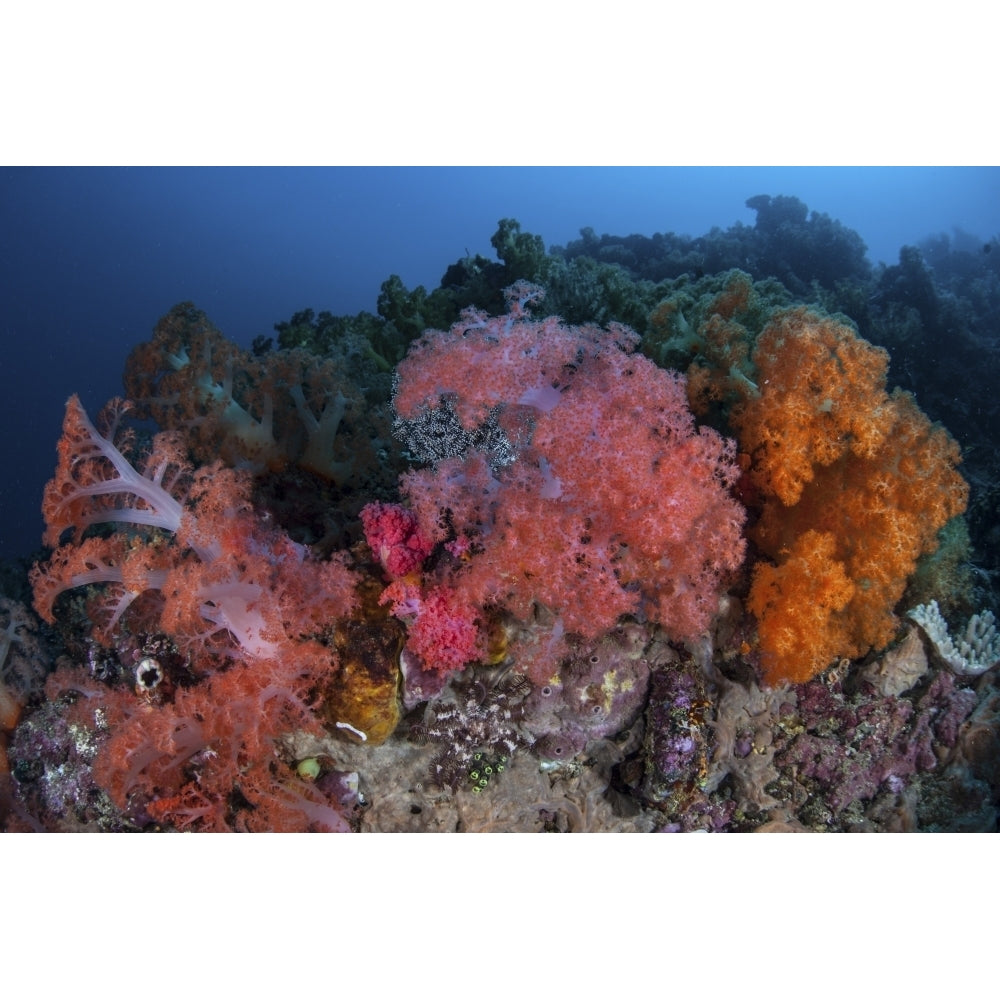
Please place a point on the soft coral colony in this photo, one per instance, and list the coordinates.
(245, 607)
(564, 491)
(605, 500)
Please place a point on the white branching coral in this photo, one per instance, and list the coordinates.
(973, 652)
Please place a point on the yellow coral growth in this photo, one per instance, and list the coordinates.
(854, 485)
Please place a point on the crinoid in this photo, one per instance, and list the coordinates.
(475, 727)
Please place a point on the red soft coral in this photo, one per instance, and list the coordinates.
(444, 631)
(226, 582)
(203, 757)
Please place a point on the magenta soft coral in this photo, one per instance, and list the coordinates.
(616, 503)
(393, 534)
(443, 631)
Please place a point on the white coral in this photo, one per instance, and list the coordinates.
(974, 652)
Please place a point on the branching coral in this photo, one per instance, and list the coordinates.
(822, 398)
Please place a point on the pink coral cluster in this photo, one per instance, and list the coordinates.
(615, 503)
(245, 608)
(443, 632)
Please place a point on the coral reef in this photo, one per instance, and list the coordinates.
(849, 486)
(246, 611)
(547, 624)
(220, 573)
(709, 753)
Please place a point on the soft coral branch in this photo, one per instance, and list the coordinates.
(256, 412)
(95, 483)
(223, 574)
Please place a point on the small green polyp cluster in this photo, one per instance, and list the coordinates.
(485, 768)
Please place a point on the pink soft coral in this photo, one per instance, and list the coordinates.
(615, 503)
(483, 362)
(226, 582)
(245, 605)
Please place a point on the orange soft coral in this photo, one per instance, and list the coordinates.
(822, 397)
(853, 485)
(800, 605)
